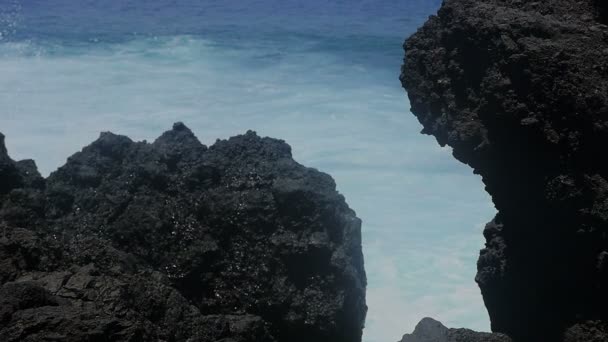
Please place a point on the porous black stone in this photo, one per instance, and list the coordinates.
(176, 241)
(519, 90)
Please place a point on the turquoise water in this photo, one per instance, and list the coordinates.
(322, 75)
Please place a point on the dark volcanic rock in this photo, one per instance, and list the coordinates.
(174, 241)
(519, 89)
(427, 330)
(430, 330)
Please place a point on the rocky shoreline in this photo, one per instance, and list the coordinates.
(236, 242)
(519, 90)
(176, 241)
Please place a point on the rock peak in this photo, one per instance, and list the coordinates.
(179, 126)
(3, 150)
(110, 144)
(427, 330)
(430, 330)
(179, 137)
(10, 176)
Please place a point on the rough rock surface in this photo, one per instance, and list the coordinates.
(519, 89)
(174, 241)
(430, 330)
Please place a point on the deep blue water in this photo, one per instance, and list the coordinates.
(323, 75)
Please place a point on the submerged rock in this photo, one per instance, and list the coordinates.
(519, 89)
(176, 241)
(430, 330)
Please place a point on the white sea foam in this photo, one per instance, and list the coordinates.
(422, 210)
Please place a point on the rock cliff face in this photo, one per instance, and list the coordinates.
(175, 241)
(430, 330)
(519, 89)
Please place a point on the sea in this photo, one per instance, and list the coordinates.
(320, 74)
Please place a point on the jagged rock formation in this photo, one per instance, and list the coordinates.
(430, 330)
(519, 89)
(174, 241)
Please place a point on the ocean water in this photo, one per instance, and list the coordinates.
(322, 75)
